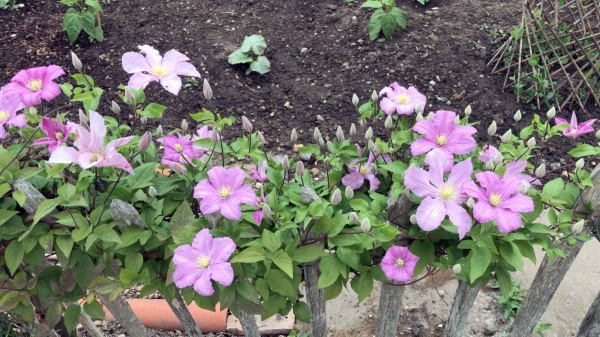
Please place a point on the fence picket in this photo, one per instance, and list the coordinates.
(463, 301)
(590, 327)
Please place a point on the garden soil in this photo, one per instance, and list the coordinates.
(320, 55)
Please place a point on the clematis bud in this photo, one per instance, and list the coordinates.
(207, 90)
(355, 100)
(321, 142)
(336, 197)
(214, 137)
(246, 124)
(260, 138)
(349, 192)
(353, 218)
(179, 168)
(285, 164)
(300, 168)
(456, 269)
(83, 119)
(374, 96)
(598, 134)
(457, 120)
(353, 130)
(578, 227)
(470, 202)
(490, 165)
(152, 191)
(531, 143)
(317, 134)
(339, 134)
(159, 131)
(389, 122)
(266, 210)
(129, 96)
(115, 107)
(540, 171)
(184, 125)
(145, 141)
(419, 117)
(551, 113)
(369, 133)
(579, 164)
(76, 62)
(329, 146)
(506, 136)
(517, 117)
(365, 225)
(413, 219)
(370, 145)
(468, 110)
(294, 135)
(492, 129)
(143, 120)
(418, 108)
(523, 189)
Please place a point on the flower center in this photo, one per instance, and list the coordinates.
(95, 157)
(363, 170)
(34, 85)
(399, 263)
(495, 199)
(441, 140)
(59, 135)
(160, 70)
(3, 116)
(403, 99)
(447, 193)
(178, 148)
(203, 261)
(225, 192)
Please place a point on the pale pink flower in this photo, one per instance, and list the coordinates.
(260, 172)
(441, 197)
(444, 134)
(9, 105)
(177, 149)
(56, 132)
(514, 170)
(224, 191)
(91, 151)
(202, 133)
(499, 200)
(153, 67)
(258, 215)
(399, 264)
(33, 85)
(401, 100)
(490, 153)
(202, 261)
(361, 171)
(575, 130)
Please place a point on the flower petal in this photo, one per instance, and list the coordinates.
(222, 273)
(203, 242)
(203, 285)
(430, 213)
(444, 120)
(353, 180)
(373, 182)
(518, 203)
(421, 145)
(484, 212)
(461, 140)
(64, 155)
(204, 189)
(171, 84)
(460, 218)
(210, 204)
(507, 221)
(185, 69)
(135, 62)
(221, 249)
(461, 173)
(140, 80)
(230, 209)
(417, 180)
(245, 195)
(186, 275)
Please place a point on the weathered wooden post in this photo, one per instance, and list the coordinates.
(590, 327)
(551, 273)
(124, 315)
(463, 301)
(315, 299)
(180, 310)
(248, 322)
(89, 325)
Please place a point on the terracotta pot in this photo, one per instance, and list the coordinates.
(156, 314)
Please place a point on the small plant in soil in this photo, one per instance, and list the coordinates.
(12, 4)
(386, 18)
(83, 15)
(251, 52)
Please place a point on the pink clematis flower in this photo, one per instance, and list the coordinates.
(490, 153)
(403, 101)
(399, 264)
(258, 215)
(444, 134)
(441, 197)
(178, 149)
(203, 132)
(9, 105)
(33, 85)
(499, 200)
(259, 173)
(224, 191)
(574, 130)
(204, 260)
(359, 172)
(57, 133)
(165, 70)
(514, 170)
(91, 151)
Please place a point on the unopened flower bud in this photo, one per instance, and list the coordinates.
(579, 164)
(336, 197)
(374, 96)
(349, 192)
(531, 143)
(362, 123)
(456, 269)
(329, 146)
(578, 227)
(418, 108)
(457, 120)
(365, 225)
(492, 129)
(523, 189)
(266, 211)
(207, 90)
(145, 141)
(321, 142)
(76, 61)
(389, 122)
(498, 158)
(468, 110)
(317, 134)
(490, 165)
(374, 167)
(143, 120)
(184, 125)
(246, 124)
(260, 137)
(369, 133)
(506, 136)
(339, 134)
(129, 96)
(294, 135)
(179, 168)
(285, 164)
(470, 202)
(370, 145)
(413, 219)
(152, 191)
(419, 117)
(429, 116)
(300, 168)
(598, 134)
(551, 113)
(214, 137)
(115, 107)
(83, 119)
(540, 171)
(353, 218)
(517, 117)
(355, 100)
(353, 130)
(159, 132)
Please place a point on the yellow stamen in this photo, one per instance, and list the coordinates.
(203, 261)
(225, 192)
(441, 140)
(495, 199)
(178, 148)
(447, 193)
(34, 85)
(3, 115)
(399, 262)
(160, 70)
(95, 157)
(403, 99)
(59, 135)
(364, 170)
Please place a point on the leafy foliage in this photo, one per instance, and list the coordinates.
(83, 15)
(386, 18)
(251, 52)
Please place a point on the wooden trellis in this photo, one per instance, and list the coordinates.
(552, 58)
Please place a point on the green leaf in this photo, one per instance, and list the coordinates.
(330, 268)
(398, 15)
(504, 281)
(271, 240)
(72, 24)
(302, 311)
(9, 300)
(14, 255)
(479, 263)
(553, 187)
(88, 23)
(152, 110)
(247, 291)
(584, 150)
(362, 285)
(255, 42)
(128, 277)
(333, 291)
(372, 4)
(238, 57)
(375, 24)
(65, 245)
(510, 252)
(44, 209)
(261, 65)
(280, 283)
(395, 167)
(94, 309)
(307, 253)
(284, 262)
(71, 316)
(388, 25)
(143, 177)
(181, 231)
(5, 215)
(250, 255)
